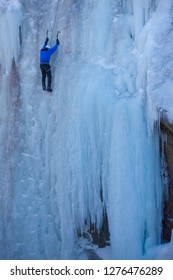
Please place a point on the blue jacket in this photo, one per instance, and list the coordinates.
(46, 53)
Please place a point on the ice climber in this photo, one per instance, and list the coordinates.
(45, 55)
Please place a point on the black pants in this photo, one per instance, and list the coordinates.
(46, 71)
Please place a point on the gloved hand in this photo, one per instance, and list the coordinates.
(57, 41)
(47, 39)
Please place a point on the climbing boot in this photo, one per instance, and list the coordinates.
(49, 89)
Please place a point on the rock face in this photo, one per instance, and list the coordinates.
(167, 128)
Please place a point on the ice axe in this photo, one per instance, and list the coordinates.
(57, 34)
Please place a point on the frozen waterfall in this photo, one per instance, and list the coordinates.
(89, 150)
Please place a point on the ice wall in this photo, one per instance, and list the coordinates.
(10, 21)
(156, 56)
(88, 148)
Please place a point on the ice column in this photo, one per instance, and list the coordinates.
(10, 21)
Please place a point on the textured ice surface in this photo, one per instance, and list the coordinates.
(91, 146)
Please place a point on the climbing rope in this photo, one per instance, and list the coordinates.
(55, 23)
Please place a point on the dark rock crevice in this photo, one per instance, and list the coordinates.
(167, 148)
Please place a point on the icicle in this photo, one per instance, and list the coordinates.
(10, 22)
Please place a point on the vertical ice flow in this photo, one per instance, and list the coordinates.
(85, 150)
